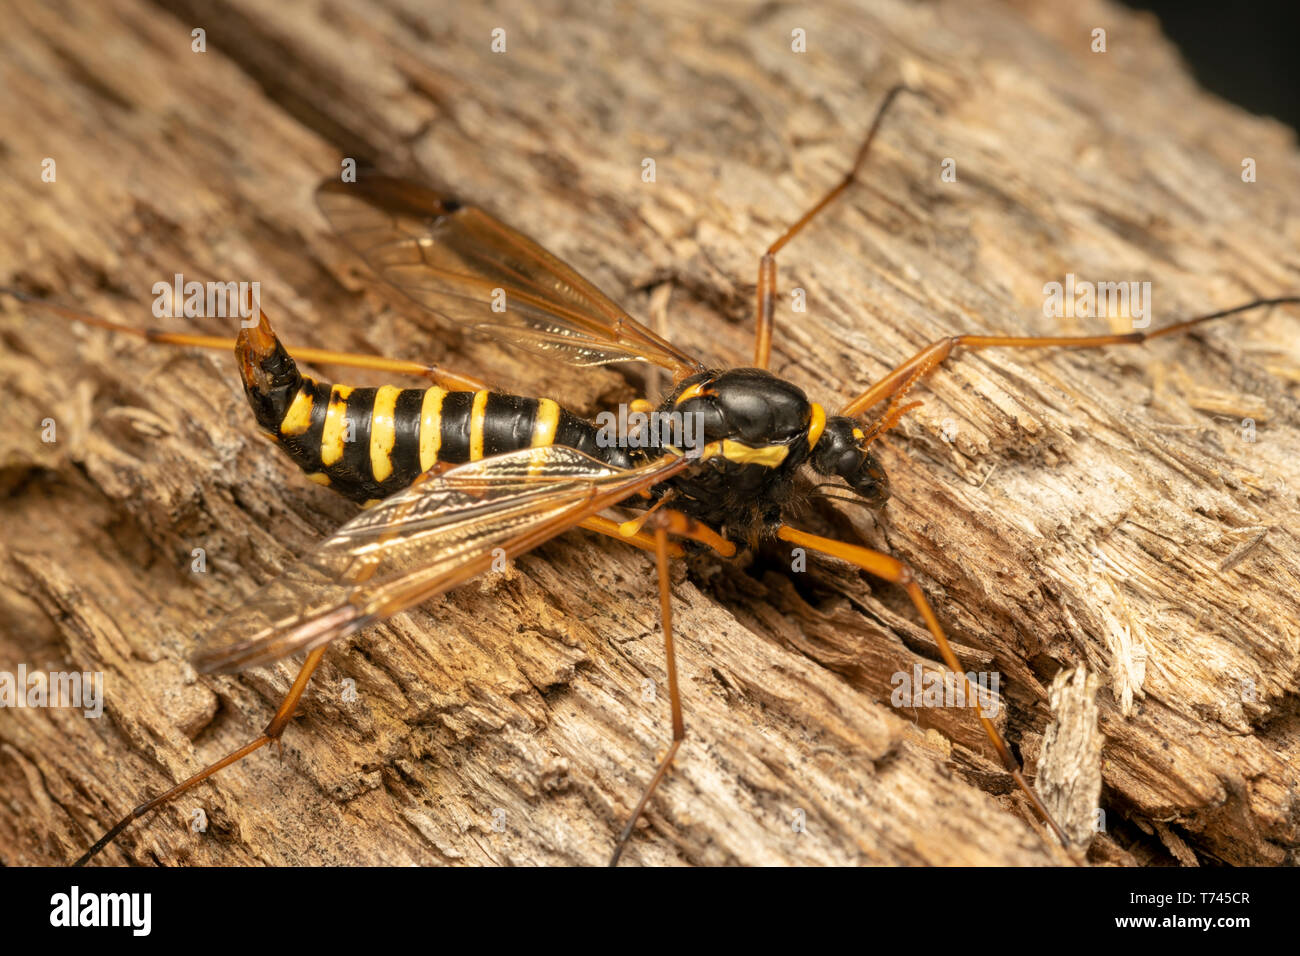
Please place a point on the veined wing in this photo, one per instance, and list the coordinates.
(457, 261)
(431, 537)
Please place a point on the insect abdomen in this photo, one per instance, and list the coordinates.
(367, 443)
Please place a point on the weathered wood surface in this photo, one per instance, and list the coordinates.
(525, 694)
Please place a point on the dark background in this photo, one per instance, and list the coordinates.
(1246, 52)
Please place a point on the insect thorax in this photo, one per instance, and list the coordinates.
(752, 437)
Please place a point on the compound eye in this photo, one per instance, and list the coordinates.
(848, 462)
(871, 482)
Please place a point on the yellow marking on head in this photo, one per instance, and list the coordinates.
(298, 418)
(383, 432)
(476, 414)
(859, 434)
(431, 427)
(692, 392)
(816, 426)
(331, 438)
(545, 423)
(320, 478)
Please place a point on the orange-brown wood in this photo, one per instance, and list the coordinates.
(896, 572)
(936, 353)
(454, 381)
(764, 315)
(674, 691)
(283, 714)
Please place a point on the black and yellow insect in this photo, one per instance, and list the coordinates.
(367, 443)
(456, 474)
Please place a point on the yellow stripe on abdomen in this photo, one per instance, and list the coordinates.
(332, 437)
(383, 432)
(476, 416)
(545, 423)
(431, 427)
(298, 418)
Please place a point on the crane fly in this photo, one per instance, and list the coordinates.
(454, 474)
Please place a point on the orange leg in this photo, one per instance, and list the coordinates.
(272, 733)
(286, 709)
(453, 381)
(932, 355)
(666, 522)
(763, 319)
(646, 542)
(895, 571)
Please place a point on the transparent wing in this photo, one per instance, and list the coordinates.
(436, 534)
(453, 258)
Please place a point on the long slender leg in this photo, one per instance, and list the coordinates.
(646, 542)
(679, 725)
(681, 525)
(935, 353)
(895, 571)
(451, 380)
(272, 732)
(763, 318)
(667, 522)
